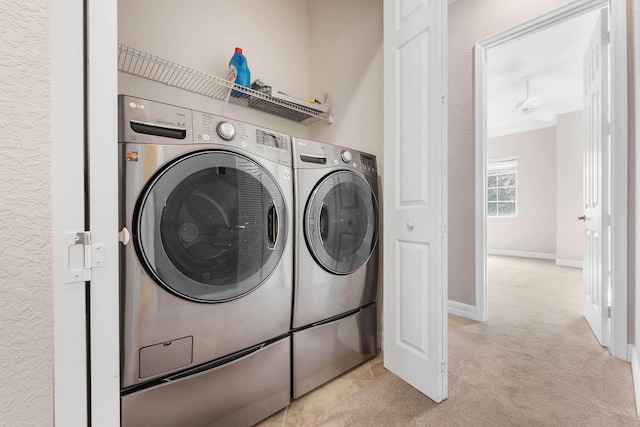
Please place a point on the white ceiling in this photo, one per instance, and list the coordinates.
(553, 58)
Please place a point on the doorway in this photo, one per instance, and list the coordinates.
(536, 108)
(535, 146)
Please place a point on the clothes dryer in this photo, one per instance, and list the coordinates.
(206, 280)
(336, 268)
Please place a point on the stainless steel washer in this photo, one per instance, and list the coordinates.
(336, 268)
(207, 276)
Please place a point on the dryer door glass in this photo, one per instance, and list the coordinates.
(211, 226)
(341, 222)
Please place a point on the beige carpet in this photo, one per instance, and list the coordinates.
(535, 363)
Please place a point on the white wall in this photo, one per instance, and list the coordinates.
(570, 151)
(202, 35)
(533, 229)
(346, 61)
(26, 306)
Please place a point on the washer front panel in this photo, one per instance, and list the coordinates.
(341, 222)
(211, 226)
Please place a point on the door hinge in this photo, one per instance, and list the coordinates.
(443, 94)
(609, 312)
(443, 229)
(443, 366)
(81, 256)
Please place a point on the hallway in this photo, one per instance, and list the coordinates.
(534, 363)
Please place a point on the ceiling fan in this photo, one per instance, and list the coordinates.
(533, 105)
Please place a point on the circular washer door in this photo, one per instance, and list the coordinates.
(341, 222)
(211, 226)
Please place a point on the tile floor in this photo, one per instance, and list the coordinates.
(306, 410)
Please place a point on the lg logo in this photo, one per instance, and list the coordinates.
(134, 105)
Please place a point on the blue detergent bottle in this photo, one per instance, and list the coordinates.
(239, 72)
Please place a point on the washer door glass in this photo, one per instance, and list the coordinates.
(341, 222)
(211, 226)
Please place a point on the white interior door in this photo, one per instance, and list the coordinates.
(102, 164)
(415, 240)
(596, 180)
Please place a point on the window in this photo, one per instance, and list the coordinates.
(501, 186)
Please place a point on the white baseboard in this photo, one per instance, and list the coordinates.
(521, 254)
(635, 370)
(569, 263)
(463, 310)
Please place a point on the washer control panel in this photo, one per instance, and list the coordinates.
(212, 129)
(150, 122)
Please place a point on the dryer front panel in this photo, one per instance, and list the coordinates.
(336, 268)
(211, 226)
(341, 222)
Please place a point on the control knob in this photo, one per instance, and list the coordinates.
(226, 131)
(346, 156)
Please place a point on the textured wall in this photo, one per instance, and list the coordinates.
(471, 21)
(26, 304)
(533, 229)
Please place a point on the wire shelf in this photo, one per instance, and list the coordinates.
(151, 67)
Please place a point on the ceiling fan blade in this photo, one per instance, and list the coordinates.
(529, 104)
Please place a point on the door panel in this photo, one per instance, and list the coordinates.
(412, 296)
(414, 120)
(415, 289)
(596, 176)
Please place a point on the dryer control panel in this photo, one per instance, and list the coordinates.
(309, 154)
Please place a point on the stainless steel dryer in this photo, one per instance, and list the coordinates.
(336, 267)
(206, 279)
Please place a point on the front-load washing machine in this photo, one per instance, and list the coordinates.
(336, 269)
(206, 278)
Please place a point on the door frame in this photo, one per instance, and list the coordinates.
(84, 185)
(619, 117)
(70, 405)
